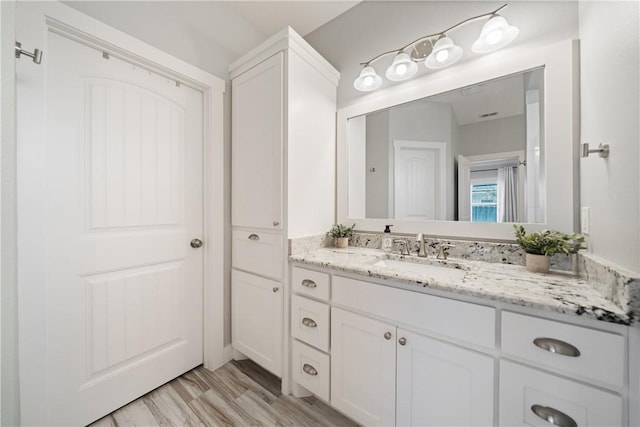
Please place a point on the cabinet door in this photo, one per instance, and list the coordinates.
(256, 153)
(256, 323)
(529, 397)
(441, 384)
(363, 357)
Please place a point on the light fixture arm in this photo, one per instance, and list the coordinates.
(430, 36)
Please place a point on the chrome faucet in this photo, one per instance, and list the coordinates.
(404, 248)
(442, 252)
(421, 252)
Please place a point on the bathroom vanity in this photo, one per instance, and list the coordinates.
(395, 340)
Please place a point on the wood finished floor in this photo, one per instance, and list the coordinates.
(238, 394)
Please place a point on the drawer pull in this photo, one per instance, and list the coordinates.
(309, 283)
(309, 323)
(308, 369)
(553, 416)
(254, 236)
(556, 346)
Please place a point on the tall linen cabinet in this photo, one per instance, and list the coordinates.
(282, 181)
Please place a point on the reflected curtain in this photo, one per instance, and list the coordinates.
(507, 194)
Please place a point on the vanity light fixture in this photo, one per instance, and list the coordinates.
(437, 51)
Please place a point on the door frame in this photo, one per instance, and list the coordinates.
(63, 20)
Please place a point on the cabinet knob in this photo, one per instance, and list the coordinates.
(553, 345)
(196, 243)
(387, 335)
(276, 223)
(309, 323)
(553, 416)
(308, 369)
(276, 289)
(308, 283)
(402, 341)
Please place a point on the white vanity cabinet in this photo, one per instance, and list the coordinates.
(283, 96)
(407, 358)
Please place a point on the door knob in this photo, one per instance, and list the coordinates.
(196, 243)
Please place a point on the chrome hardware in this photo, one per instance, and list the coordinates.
(196, 243)
(254, 236)
(553, 416)
(442, 252)
(275, 289)
(421, 251)
(308, 283)
(556, 346)
(36, 55)
(308, 369)
(387, 335)
(404, 247)
(276, 223)
(602, 150)
(105, 55)
(309, 323)
(402, 341)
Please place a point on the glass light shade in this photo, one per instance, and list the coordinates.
(496, 33)
(444, 53)
(402, 68)
(368, 80)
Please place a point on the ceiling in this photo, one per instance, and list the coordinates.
(210, 34)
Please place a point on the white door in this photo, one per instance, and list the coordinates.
(256, 152)
(441, 384)
(256, 322)
(123, 199)
(419, 180)
(363, 368)
(464, 188)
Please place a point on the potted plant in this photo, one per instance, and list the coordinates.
(540, 245)
(341, 234)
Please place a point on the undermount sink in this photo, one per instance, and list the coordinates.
(433, 271)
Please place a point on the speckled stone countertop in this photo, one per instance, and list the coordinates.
(557, 291)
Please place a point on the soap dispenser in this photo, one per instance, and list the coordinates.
(387, 241)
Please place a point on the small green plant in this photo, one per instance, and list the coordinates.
(548, 242)
(340, 230)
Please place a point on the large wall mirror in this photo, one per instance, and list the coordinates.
(489, 144)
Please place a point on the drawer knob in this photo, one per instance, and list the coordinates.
(309, 283)
(309, 323)
(556, 346)
(553, 416)
(402, 341)
(275, 289)
(308, 369)
(254, 236)
(387, 335)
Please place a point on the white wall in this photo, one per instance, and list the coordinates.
(9, 409)
(609, 89)
(492, 136)
(377, 156)
(357, 155)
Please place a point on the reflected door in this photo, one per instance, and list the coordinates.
(419, 180)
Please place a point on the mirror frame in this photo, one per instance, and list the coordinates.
(561, 112)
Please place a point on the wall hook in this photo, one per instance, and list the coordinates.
(603, 150)
(36, 55)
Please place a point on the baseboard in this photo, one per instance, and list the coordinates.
(227, 353)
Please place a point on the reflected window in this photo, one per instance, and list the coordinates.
(484, 202)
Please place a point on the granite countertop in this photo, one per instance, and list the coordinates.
(557, 291)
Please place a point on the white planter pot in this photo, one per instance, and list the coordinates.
(341, 242)
(537, 263)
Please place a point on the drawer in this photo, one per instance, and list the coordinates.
(310, 322)
(309, 282)
(525, 391)
(472, 323)
(310, 369)
(257, 252)
(601, 354)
